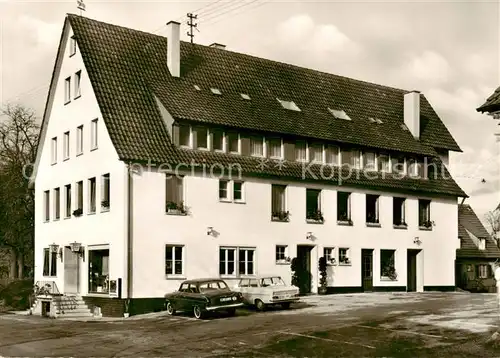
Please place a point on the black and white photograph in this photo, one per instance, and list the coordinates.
(249, 178)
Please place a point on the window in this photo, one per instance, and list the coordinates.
(313, 205)
(54, 150)
(483, 271)
(281, 253)
(66, 146)
(398, 165)
(482, 244)
(398, 211)
(223, 189)
(92, 195)
(216, 91)
(329, 255)
(218, 140)
(174, 260)
(344, 206)
(67, 194)
(424, 213)
(57, 204)
(245, 96)
(290, 105)
(316, 153)
(201, 138)
(352, 158)
(93, 134)
(332, 154)
(372, 209)
(174, 194)
(79, 140)
(300, 151)
(98, 271)
(257, 146)
(78, 78)
(344, 256)
(49, 263)
(278, 203)
(185, 135)
(79, 195)
(234, 142)
(246, 261)
(432, 170)
(275, 148)
(369, 159)
(413, 168)
(227, 258)
(384, 163)
(72, 46)
(339, 114)
(387, 266)
(67, 90)
(46, 200)
(238, 191)
(105, 192)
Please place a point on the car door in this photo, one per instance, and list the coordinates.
(180, 299)
(243, 288)
(192, 296)
(253, 290)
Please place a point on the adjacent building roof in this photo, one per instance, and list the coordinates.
(492, 103)
(470, 229)
(128, 70)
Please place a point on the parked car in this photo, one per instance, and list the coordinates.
(202, 296)
(267, 290)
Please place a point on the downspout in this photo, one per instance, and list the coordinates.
(129, 230)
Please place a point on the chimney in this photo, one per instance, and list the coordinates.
(412, 112)
(219, 46)
(174, 48)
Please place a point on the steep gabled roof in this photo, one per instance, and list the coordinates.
(492, 103)
(128, 70)
(470, 229)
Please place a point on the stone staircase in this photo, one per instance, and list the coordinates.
(64, 307)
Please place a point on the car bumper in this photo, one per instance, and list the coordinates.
(224, 307)
(285, 300)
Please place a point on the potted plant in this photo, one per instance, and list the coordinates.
(105, 204)
(322, 271)
(78, 212)
(176, 208)
(315, 216)
(126, 308)
(280, 215)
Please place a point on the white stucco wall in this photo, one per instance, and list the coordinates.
(249, 225)
(97, 229)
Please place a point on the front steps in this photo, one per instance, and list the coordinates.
(62, 306)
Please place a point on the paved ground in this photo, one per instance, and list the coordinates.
(396, 325)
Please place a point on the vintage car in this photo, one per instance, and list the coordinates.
(267, 290)
(202, 296)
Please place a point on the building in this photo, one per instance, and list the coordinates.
(271, 162)
(477, 254)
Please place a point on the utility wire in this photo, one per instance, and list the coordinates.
(219, 8)
(237, 13)
(231, 9)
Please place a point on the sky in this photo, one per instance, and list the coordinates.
(448, 50)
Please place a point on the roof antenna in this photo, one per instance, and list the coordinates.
(80, 5)
(192, 25)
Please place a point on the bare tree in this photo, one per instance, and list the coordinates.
(493, 220)
(19, 133)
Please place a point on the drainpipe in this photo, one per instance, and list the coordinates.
(129, 230)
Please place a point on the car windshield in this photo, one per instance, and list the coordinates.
(272, 281)
(213, 286)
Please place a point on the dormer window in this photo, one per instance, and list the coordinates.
(245, 96)
(316, 153)
(332, 154)
(339, 114)
(201, 138)
(369, 159)
(300, 151)
(257, 146)
(185, 135)
(218, 140)
(275, 148)
(216, 91)
(384, 163)
(72, 46)
(234, 142)
(290, 105)
(482, 244)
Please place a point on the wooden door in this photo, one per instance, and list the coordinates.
(367, 269)
(411, 271)
(70, 271)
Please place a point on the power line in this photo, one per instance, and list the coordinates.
(218, 8)
(204, 7)
(238, 13)
(227, 11)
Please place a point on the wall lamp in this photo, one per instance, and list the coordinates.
(78, 249)
(54, 248)
(210, 230)
(417, 240)
(309, 235)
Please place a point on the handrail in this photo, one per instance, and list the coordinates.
(46, 288)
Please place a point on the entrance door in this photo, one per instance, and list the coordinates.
(70, 271)
(411, 270)
(367, 269)
(304, 268)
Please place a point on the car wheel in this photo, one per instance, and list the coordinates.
(260, 305)
(285, 305)
(197, 311)
(170, 308)
(231, 311)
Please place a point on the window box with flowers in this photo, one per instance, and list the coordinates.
(78, 212)
(315, 217)
(425, 225)
(173, 208)
(344, 219)
(283, 216)
(105, 205)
